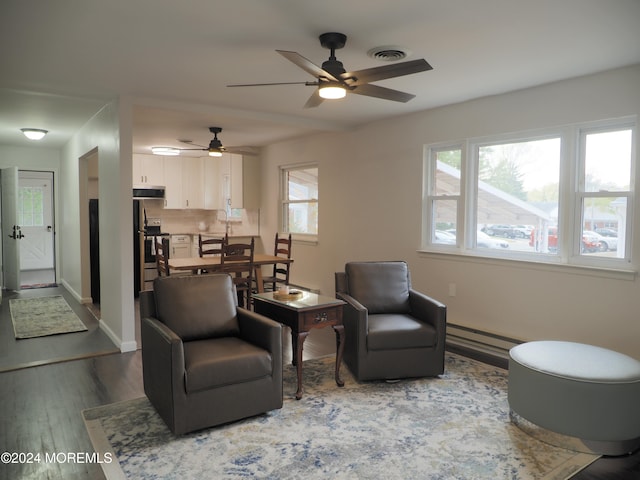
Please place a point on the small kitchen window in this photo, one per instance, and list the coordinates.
(299, 201)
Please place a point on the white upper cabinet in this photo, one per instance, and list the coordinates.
(193, 182)
(173, 197)
(148, 170)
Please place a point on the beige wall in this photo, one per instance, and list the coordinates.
(108, 135)
(370, 208)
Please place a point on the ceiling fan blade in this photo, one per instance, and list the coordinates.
(382, 92)
(307, 65)
(243, 150)
(360, 77)
(314, 100)
(268, 84)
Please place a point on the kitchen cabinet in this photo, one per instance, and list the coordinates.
(184, 183)
(180, 246)
(234, 178)
(192, 182)
(148, 169)
(173, 197)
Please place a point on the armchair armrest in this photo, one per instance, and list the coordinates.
(162, 360)
(260, 330)
(355, 318)
(429, 310)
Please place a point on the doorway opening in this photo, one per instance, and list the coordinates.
(35, 210)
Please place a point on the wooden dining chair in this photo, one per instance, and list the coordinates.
(162, 255)
(211, 246)
(237, 260)
(281, 271)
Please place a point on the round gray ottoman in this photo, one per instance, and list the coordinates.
(576, 396)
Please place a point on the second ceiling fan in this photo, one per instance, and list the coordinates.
(333, 81)
(215, 148)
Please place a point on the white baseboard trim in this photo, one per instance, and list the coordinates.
(130, 346)
(74, 294)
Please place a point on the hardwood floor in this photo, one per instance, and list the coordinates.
(40, 407)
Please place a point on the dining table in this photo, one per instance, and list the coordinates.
(211, 263)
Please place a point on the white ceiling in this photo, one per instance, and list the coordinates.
(62, 60)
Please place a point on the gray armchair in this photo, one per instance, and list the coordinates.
(391, 330)
(205, 361)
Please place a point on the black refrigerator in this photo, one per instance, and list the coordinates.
(94, 249)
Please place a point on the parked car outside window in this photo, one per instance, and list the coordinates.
(500, 231)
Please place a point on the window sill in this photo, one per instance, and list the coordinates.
(594, 271)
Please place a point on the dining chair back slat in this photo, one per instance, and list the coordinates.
(237, 261)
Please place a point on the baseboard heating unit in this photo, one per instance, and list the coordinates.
(477, 342)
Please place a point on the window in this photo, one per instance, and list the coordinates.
(31, 206)
(558, 196)
(300, 200)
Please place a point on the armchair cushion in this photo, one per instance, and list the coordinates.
(195, 307)
(219, 362)
(398, 331)
(381, 287)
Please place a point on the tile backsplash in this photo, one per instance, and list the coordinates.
(241, 221)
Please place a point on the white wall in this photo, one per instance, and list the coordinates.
(109, 134)
(370, 209)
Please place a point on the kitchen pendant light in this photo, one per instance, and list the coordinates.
(34, 133)
(166, 151)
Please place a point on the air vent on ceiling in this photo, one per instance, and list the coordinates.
(389, 53)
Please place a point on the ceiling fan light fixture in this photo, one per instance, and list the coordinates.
(215, 153)
(34, 133)
(332, 91)
(166, 151)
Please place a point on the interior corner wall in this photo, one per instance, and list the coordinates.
(109, 133)
(371, 209)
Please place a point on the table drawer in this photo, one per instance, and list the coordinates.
(326, 316)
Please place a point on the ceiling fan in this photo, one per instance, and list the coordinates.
(215, 148)
(333, 81)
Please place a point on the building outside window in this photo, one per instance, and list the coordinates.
(300, 200)
(557, 196)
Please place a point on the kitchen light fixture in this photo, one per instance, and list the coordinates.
(167, 151)
(331, 90)
(34, 133)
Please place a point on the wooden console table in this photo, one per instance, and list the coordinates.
(301, 315)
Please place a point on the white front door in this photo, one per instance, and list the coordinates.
(10, 230)
(35, 213)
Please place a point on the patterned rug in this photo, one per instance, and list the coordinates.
(42, 316)
(453, 427)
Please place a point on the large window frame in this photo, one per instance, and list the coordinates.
(308, 203)
(572, 195)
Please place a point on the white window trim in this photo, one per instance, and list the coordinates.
(301, 238)
(569, 201)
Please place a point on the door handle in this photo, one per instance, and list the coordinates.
(17, 233)
(49, 228)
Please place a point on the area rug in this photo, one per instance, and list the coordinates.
(42, 316)
(453, 427)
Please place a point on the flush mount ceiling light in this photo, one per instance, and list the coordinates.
(167, 151)
(332, 91)
(34, 133)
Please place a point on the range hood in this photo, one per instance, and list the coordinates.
(148, 191)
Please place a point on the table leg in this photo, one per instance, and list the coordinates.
(258, 276)
(298, 359)
(339, 329)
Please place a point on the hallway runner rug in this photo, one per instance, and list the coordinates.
(42, 316)
(452, 427)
